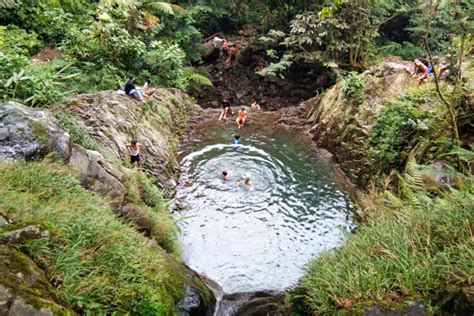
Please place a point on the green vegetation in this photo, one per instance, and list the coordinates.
(98, 264)
(94, 46)
(352, 87)
(408, 248)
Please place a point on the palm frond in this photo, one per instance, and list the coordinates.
(165, 7)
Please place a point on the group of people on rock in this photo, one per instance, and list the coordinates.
(226, 111)
(139, 93)
(423, 67)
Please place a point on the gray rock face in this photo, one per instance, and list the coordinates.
(97, 174)
(27, 133)
(24, 290)
(23, 234)
(412, 308)
(113, 120)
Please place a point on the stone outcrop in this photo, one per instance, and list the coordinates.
(325, 116)
(113, 120)
(97, 174)
(24, 289)
(252, 303)
(27, 133)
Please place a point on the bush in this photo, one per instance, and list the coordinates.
(413, 248)
(18, 41)
(352, 86)
(407, 50)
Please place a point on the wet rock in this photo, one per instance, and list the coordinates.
(198, 300)
(27, 133)
(20, 236)
(264, 303)
(24, 290)
(97, 174)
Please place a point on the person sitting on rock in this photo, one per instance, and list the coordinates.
(134, 150)
(419, 66)
(255, 105)
(236, 140)
(147, 88)
(225, 109)
(241, 118)
(225, 176)
(131, 90)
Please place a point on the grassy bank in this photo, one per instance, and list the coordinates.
(98, 263)
(411, 248)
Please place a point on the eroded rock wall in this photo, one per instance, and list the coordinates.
(343, 129)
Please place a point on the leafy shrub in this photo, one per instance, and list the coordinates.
(9, 65)
(279, 68)
(407, 50)
(352, 86)
(401, 124)
(18, 41)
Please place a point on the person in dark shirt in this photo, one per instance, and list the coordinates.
(131, 90)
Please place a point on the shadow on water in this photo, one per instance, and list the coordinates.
(258, 238)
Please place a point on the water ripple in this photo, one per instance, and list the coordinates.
(258, 238)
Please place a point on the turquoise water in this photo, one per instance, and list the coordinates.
(249, 239)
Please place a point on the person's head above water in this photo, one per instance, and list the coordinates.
(246, 181)
(225, 175)
(134, 142)
(237, 136)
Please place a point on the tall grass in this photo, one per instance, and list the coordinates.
(411, 248)
(98, 264)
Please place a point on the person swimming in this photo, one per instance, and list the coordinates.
(225, 176)
(246, 181)
(236, 140)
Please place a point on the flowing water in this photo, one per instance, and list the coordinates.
(249, 239)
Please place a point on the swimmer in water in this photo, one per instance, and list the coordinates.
(225, 176)
(236, 140)
(246, 182)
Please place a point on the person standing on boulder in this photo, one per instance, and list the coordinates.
(134, 150)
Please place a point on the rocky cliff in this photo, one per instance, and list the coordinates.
(342, 129)
(88, 135)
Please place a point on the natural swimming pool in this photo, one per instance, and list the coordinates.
(257, 238)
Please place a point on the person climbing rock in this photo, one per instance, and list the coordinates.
(232, 55)
(134, 151)
(241, 118)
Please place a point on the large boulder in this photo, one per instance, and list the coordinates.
(97, 174)
(24, 290)
(260, 303)
(27, 133)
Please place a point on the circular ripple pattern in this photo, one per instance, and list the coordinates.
(257, 238)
